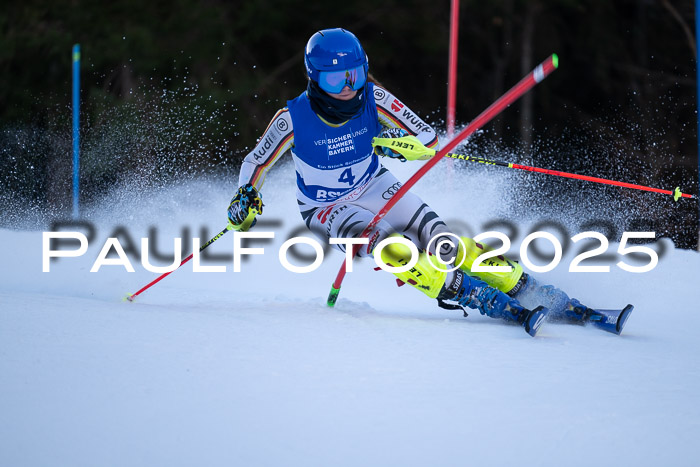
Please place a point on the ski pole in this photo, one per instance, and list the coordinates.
(528, 82)
(245, 225)
(410, 147)
(675, 193)
(132, 296)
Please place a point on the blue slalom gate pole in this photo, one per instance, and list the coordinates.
(697, 83)
(76, 131)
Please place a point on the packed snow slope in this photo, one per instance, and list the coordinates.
(252, 369)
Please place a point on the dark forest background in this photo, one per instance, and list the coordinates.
(183, 87)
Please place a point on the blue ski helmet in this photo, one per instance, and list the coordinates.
(335, 50)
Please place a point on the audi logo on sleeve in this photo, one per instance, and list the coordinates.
(391, 191)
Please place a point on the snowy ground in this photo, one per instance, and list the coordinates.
(252, 369)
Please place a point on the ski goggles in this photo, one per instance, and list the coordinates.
(334, 81)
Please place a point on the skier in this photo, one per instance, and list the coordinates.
(341, 185)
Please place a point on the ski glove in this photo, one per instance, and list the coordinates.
(244, 208)
(387, 152)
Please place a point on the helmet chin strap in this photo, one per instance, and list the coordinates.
(334, 110)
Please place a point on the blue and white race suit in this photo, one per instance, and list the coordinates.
(341, 183)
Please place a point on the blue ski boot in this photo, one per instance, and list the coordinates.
(529, 291)
(607, 320)
(477, 294)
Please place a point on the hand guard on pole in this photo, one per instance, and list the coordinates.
(244, 207)
(383, 149)
(398, 144)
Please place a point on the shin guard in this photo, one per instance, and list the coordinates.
(503, 281)
(427, 274)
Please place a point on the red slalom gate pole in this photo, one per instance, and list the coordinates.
(675, 193)
(131, 297)
(528, 82)
(452, 68)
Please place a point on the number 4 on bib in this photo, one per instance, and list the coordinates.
(347, 177)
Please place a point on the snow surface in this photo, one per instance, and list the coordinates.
(252, 369)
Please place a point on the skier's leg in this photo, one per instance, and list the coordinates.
(421, 224)
(413, 218)
(430, 277)
(529, 291)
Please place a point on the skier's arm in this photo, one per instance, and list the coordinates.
(395, 114)
(277, 139)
